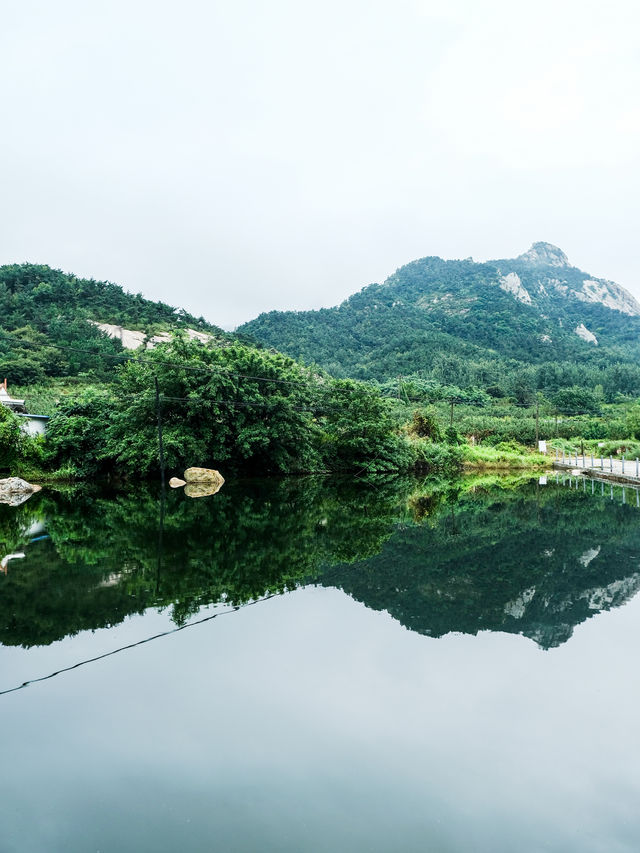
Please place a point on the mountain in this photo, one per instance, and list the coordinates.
(48, 317)
(461, 320)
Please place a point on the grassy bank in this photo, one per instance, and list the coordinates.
(496, 458)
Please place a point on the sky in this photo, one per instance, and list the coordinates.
(238, 157)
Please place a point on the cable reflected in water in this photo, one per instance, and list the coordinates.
(133, 645)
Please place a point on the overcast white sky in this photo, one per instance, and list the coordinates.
(239, 156)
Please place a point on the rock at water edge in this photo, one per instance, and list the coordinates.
(204, 475)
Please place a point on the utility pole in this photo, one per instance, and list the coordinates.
(451, 418)
(160, 445)
(537, 422)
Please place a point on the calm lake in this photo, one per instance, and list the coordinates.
(309, 665)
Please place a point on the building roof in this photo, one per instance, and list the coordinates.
(8, 401)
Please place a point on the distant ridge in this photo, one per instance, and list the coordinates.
(484, 318)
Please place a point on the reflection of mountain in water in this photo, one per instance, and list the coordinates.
(528, 560)
(533, 562)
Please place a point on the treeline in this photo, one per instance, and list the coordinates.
(230, 406)
(227, 406)
(565, 385)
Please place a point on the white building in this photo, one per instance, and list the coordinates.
(31, 424)
(11, 402)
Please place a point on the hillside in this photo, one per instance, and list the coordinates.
(46, 314)
(469, 323)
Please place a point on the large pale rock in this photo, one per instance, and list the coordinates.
(176, 482)
(14, 491)
(204, 475)
(201, 490)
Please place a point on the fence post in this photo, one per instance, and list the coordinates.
(636, 466)
(623, 463)
(611, 463)
(592, 459)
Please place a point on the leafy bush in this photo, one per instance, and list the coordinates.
(231, 407)
(15, 445)
(433, 457)
(425, 425)
(506, 457)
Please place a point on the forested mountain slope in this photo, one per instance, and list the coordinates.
(472, 323)
(40, 307)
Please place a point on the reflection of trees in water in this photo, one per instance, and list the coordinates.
(437, 557)
(109, 556)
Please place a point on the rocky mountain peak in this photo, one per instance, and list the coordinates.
(545, 254)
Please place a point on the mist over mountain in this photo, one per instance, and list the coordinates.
(462, 321)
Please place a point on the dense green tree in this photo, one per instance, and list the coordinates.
(576, 401)
(227, 407)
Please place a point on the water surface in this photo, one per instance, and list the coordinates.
(391, 665)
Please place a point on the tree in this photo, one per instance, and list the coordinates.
(575, 400)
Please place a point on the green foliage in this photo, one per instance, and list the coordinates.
(442, 323)
(505, 455)
(12, 438)
(632, 421)
(576, 400)
(359, 432)
(230, 407)
(425, 425)
(46, 324)
(16, 447)
(432, 457)
(452, 436)
(76, 434)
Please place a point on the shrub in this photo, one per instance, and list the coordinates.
(425, 425)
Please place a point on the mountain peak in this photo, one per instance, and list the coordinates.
(545, 254)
